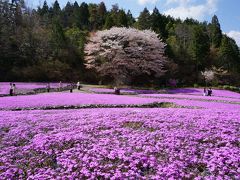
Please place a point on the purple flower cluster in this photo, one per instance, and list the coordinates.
(194, 97)
(199, 104)
(67, 99)
(77, 99)
(197, 91)
(120, 144)
(126, 143)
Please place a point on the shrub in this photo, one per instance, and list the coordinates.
(195, 85)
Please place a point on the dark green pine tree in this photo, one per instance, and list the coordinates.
(122, 20)
(18, 15)
(229, 54)
(159, 23)
(183, 33)
(144, 20)
(191, 21)
(102, 12)
(67, 15)
(115, 9)
(9, 51)
(75, 4)
(44, 10)
(199, 48)
(58, 36)
(93, 16)
(84, 16)
(109, 23)
(76, 14)
(113, 17)
(130, 18)
(155, 23)
(215, 32)
(56, 9)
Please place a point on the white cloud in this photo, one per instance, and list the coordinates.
(187, 8)
(182, 12)
(143, 2)
(181, 2)
(235, 35)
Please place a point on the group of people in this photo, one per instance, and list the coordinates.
(60, 86)
(72, 85)
(12, 90)
(207, 92)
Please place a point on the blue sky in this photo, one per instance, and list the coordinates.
(228, 11)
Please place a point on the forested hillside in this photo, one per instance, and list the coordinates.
(47, 43)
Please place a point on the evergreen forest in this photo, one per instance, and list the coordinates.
(47, 43)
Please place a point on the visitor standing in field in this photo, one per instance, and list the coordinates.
(71, 87)
(116, 91)
(60, 85)
(14, 89)
(210, 92)
(48, 87)
(78, 85)
(11, 89)
(205, 92)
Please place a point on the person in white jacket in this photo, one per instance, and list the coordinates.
(11, 89)
(60, 85)
(14, 89)
(78, 85)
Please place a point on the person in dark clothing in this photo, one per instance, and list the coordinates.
(48, 87)
(71, 87)
(11, 89)
(116, 91)
(210, 92)
(60, 86)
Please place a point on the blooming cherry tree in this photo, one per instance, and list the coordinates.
(122, 53)
(208, 75)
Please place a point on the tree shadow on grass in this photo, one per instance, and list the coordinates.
(185, 91)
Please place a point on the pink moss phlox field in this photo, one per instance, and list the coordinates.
(120, 143)
(193, 97)
(198, 91)
(221, 99)
(127, 143)
(78, 99)
(67, 99)
(199, 104)
(5, 86)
